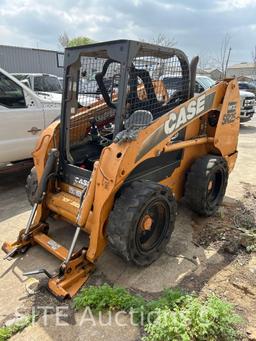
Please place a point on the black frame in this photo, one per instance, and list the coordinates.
(59, 56)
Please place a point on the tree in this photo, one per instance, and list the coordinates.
(225, 51)
(163, 40)
(221, 60)
(79, 41)
(206, 61)
(254, 60)
(65, 41)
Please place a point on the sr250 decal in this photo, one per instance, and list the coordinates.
(230, 116)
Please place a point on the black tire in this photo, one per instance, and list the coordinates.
(141, 222)
(31, 186)
(206, 184)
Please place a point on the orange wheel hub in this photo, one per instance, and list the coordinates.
(210, 184)
(146, 223)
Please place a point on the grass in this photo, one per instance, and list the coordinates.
(7, 332)
(175, 316)
(105, 298)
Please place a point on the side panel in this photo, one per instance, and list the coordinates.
(157, 168)
(178, 177)
(228, 127)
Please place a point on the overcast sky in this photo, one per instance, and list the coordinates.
(198, 26)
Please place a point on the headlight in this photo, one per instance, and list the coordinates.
(249, 102)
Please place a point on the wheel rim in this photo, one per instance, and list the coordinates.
(152, 227)
(215, 186)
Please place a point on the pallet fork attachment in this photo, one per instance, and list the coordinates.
(72, 273)
(75, 269)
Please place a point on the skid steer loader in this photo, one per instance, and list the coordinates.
(129, 144)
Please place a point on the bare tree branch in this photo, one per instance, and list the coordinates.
(163, 40)
(206, 61)
(225, 50)
(254, 55)
(63, 39)
(254, 59)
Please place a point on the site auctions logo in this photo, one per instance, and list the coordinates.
(59, 316)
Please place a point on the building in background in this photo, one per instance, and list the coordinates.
(16, 59)
(244, 78)
(242, 70)
(215, 74)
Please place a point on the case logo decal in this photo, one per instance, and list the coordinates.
(186, 113)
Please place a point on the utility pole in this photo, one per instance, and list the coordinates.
(226, 66)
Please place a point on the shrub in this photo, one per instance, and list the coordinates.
(196, 320)
(107, 298)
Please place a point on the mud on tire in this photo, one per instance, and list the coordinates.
(31, 186)
(141, 222)
(206, 184)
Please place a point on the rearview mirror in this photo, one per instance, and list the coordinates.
(198, 88)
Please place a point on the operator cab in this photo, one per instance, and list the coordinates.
(108, 83)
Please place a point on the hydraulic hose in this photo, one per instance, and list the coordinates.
(49, 167)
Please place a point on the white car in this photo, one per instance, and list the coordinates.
(23, 116)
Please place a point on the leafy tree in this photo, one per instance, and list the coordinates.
(79, 41)
(65, 41)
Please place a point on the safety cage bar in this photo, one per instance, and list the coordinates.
(142, 76)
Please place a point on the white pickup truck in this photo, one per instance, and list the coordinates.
(23, 116)
(43, 84)
(247, 99)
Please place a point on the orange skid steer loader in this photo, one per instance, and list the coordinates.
(131, 141)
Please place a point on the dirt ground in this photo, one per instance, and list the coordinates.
(205, 255)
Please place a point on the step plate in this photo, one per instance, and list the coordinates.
(51, 246)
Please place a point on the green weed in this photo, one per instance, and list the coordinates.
(174, 316)
(7, 332)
